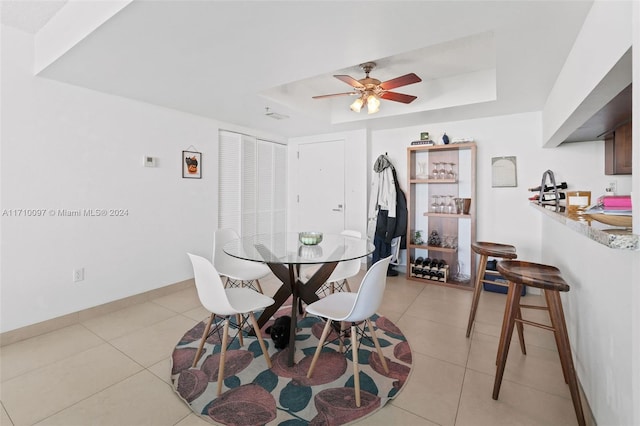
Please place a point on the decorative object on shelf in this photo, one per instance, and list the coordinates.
(445, 138)
(310, 238)
(503, 172)
(462, 140)
(424, 136)
(427, 143)
(460, 205)
(417, 237)
(466, 205)
(191, 164)
(434, 239)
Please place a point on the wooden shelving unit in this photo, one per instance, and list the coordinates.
(461, 227)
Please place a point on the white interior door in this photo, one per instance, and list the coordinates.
(321, 186)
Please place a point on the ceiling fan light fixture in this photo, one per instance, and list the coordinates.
(373, 104)
(356, 106)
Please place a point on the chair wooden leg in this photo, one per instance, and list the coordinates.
(477, 289)
(520, 329)
(225, 335)
(259, 286)
(564, 348)
(341, 336)
(346, 284)
(556, 335)
(354, 360)
(204, 338)
(510, 313)
(377, 345)
(260, 339)
(239, 322)
(325, 333)
(332, 287)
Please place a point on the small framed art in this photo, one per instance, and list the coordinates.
(191, 164)
(503, 172)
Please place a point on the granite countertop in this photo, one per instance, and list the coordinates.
(613, 237)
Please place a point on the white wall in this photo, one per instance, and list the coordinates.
(598, 309)
(64, 147)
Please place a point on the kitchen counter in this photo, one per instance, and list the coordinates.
(610, 236)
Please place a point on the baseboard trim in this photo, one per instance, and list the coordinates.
(57, 323)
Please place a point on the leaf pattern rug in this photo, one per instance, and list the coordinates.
(253, 394)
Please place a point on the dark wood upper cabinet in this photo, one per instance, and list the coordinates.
(617, 151)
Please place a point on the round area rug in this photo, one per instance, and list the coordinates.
(253, 394)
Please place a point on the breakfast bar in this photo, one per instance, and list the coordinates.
(612, 237)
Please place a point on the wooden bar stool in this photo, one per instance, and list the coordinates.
(486, 249)
(549, 279)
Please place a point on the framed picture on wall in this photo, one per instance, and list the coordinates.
(503, 172)
(191, 164)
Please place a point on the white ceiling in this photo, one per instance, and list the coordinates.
(228, 60)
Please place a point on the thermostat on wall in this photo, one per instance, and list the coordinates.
(149, 161)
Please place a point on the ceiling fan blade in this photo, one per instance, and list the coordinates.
(400, 81)
(350, 81)
(398, 97)
(335, 94)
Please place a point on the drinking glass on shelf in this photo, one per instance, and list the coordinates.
(423, 170)
(435, 171)
(442, 172)
(459, 203)
(449, 206)
(442, 208)
(435, 205)
(450, 173)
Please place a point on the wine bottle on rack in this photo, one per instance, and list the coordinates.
(547, 188)
(442, 264)
(550, 196)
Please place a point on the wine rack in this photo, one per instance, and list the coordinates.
(425, 271)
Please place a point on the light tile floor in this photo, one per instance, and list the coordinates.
(114, 369)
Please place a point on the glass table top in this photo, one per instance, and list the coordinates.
(285, 248)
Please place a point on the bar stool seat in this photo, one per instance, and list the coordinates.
(486, 249)
(549, 279)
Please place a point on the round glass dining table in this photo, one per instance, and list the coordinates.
(284, 254)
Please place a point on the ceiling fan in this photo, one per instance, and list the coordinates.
(371, 90)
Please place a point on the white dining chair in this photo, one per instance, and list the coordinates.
(353, 308)
(237, 272)
(224, 303)
(339, 278)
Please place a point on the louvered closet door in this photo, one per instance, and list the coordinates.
(249, 172)
(229, 181)
(253, 184)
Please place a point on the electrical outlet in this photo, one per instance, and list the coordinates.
(612, 188)
(78, 275)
